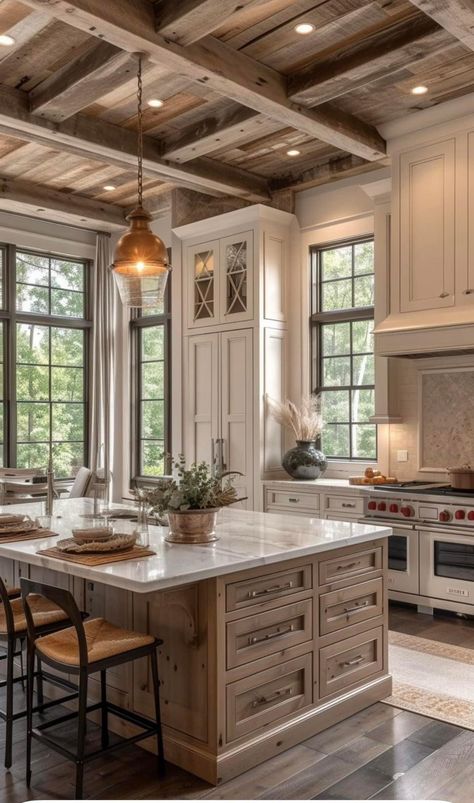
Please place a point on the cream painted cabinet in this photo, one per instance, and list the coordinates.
(220, 281)
(218, 403)
(426, 234)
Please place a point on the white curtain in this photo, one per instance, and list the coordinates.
(103, 362)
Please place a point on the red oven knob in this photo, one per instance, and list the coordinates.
(470, 515)
(460, 514)
(382, 506)
(444, 515)
(372, 506)
(393, 508)
(407, 511)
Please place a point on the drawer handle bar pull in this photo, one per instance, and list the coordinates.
(357, 660)
(342, 568)
(293, 499)
(273, 699)
(349, 611)
(348, 504)
(269, 590)
(268, 636)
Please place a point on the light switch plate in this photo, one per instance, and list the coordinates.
(402, 455)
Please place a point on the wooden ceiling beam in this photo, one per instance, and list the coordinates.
(95, 139)
(103, 67)
(455, 16)
(332, 169)
(129, 24)
(376, 57)
(187, 21)
(212, 133)
(36, 200)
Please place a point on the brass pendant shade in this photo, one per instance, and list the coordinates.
(140, 265)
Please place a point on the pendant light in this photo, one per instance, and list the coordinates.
(140, 265)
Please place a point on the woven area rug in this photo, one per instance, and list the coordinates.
(432, 678)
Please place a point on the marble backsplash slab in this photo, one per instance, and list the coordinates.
(446, 418)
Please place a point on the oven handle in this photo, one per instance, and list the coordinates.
(438, 529)
(396, 525)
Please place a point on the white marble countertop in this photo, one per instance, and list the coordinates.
(321, 484)
(247, 539)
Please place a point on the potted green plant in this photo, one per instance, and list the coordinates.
(192, 500)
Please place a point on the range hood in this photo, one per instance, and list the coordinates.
(426, 333)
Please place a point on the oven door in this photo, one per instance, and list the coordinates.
(403, 560)
(448, 565)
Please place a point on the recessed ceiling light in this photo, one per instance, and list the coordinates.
(304, 28)
(419, 90)
(110, 187)
(293, 152)
(155, 103)
(6, 40)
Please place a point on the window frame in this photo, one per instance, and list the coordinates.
(138, 322)
(10, 317)
(349, 315)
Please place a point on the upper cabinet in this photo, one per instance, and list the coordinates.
(220, 281)
(426, 240)
(429, 275)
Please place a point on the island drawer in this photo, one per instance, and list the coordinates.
(351, 505)
(349, 567)
(259, 700)
(265, 633)
(273, 586)
(294, 500)
(350, 605)
(350, 661)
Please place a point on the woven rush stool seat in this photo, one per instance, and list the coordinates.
(44, 613)
(84, 649)
(103, 639)
(48, 617)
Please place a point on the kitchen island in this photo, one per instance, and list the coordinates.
(271, 634)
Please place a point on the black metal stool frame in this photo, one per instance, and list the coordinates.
(66, 602)
(9, 641)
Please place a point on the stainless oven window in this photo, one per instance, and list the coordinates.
(398, 553)
(454, 560)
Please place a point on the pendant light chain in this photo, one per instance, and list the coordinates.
(140, 132)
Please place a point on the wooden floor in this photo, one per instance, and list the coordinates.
(381, 753)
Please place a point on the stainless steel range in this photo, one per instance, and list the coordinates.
(431, 551)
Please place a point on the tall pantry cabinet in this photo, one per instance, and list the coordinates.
(235, 298)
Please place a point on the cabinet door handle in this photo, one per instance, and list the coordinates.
(273, 698)
(353, 661)
(347, 566)
(269, 590)
(268, 636)
(467, 292)
(444, 294)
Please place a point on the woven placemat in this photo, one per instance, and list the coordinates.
(33, 535)
(98, 560)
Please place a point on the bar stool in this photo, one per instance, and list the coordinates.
(48, 618)
(84, 649)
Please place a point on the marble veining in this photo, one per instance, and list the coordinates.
(447, 418)
(248, 539)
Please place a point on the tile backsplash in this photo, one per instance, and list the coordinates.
(435, 399)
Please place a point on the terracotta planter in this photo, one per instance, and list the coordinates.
(192, 526)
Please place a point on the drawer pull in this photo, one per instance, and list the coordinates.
(348, 504)
(354, 661)
(273, 699)
(270, 590)
(347, 566)
(293, 499)
(356, 608)
(268, 636)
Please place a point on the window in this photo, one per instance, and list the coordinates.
(45, 323)
(342, 322)
(150, 365)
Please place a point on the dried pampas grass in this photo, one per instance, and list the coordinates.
(304, 421)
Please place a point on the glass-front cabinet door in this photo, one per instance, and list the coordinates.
(203, 284)
(236, 277)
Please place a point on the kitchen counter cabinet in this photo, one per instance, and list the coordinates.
(270, 635)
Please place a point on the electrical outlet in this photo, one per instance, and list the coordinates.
(402, 456)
